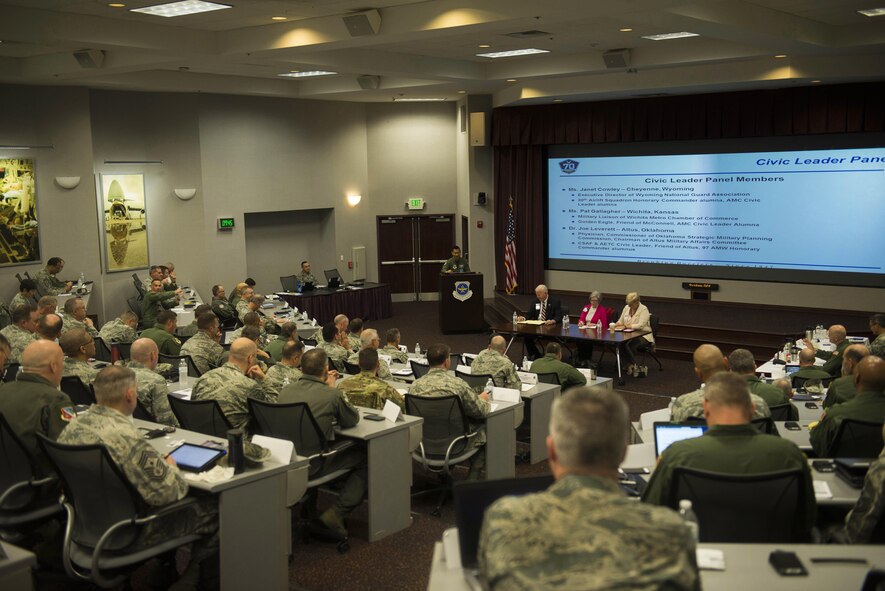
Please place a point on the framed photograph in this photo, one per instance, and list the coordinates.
(19, 230)
(121, 206)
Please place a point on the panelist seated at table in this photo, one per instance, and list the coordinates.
(867, 405)
(157, 479)
(593, 314)
(842, 388)
(635, 316)
(583, 532)
(457, 263)
(305, 277)
(864, 523)
(731, 445)
(838, 337)
(544, 308)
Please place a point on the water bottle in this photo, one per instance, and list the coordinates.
(417, 348)
(297, 286)
(182, 372)
(82, 280)
(671, 405)
(565, 321)
(690, 519)
(490, 385)
(598, 326)
(526, 364)
(514, 317)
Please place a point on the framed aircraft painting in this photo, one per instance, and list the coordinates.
(123, 221)
(19, 239)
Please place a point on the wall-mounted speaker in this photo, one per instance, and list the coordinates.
(478, 129)
(368, 82)
(364, 23)
(90, 58)
(616, 58)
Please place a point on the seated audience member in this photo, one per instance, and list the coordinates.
(493, 362)
(204, 347)
(457, 263)
(785, 386)
(837, 336)
(155, 301)
(153, 393)
(807, 370)
(33, 403)
(120, 330)
(49, 327)
(288, 332)
(191, 329)
(367, 388)
(233, 383)
(438, 382)
(169, 277)
(743, 363)
(158, 273)
(78, 346)
(305, 276)
(327, 405)
(47, 281)
(332, 344)
(163, 333)
(221, 306)
(544, 308)
(877, 327)
(865, 518)
(20, 333)
(237, 295)
(242, 305)
(635, 316)
(730, 446)
(155, 477)
(842, 388)
(287, 370)
(392, 347)
(369, 340)
(47, 305)
(268, 325)
(583, 532)
(253, 333)
(354, 330)
(708, 361)
(867, 405)
(249, 319)
(341, 323)
(27, 291)
(552, 362)
(75, 317)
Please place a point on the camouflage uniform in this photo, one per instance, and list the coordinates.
(396, 354)
(366, 389)
(188, 330)
(48, 284)
(336, 353)
(81, 369)
(153, 393)
(262, 336)
(116, 331)
(18, 300)
(144, 467)
(242, 309)
(18, 339)
(167, 342)
(70, 323)
(307, 278)
(584, 533)
(277, 375)
(354, 343)
(206, 353)
(230, 387)
(877, 347)
(862, 520)
(865, 406)
(501, 369)
(383, 368)
(692, 405)
(438, 382)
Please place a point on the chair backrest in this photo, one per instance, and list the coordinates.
(202, 416)
(97, 490)
(19, 277)
(857, 439)
(77, 391)
(293, 422)
(102, 351)
(455, 360)
(142, 413)
(476, 381)
(781, 412)
(311, 342)
(289, 283)
(468, 360)
(764, 424)
(27, 275)
(654, 322)
(123, 350)
(770, 506)
(351, 368)
(444, 421)
(192, 370)
(805, 383)
(549, 378)
(16, 465)
(134, 304)
(419, 370)
(139, 284)
(11, 372)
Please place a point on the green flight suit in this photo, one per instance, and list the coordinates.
(456, 265)
(772, 395)
(833, 365)
(167, 343)
(865, 406)
(840, 390)
(569, 377)
(153, 304)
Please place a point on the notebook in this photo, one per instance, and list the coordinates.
(667, 434)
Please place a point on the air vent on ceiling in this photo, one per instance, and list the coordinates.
(528, 34)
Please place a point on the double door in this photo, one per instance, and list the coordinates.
(411, 252)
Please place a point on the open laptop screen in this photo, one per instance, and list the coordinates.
(668, 433)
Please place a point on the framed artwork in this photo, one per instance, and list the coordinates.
(121, 206)
(19, 230)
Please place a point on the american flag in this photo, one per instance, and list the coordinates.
(511, 279)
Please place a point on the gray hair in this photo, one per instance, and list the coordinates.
(742, 361)
(367, 336)
(590, 427)
(111, 384)
(595, 294)
(728, 389)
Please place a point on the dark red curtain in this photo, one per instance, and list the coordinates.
(520, 135)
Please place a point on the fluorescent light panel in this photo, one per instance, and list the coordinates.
(873, 12)
(512, 53)
(667, 36)
(182, 8)
(418, 100)
(309, 74)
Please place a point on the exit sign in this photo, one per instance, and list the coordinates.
(225, 223)
(416, 203)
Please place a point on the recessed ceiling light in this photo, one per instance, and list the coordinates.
(511, 80)
(417, 100)
(512, 53)
(557, 100)
(116, 5)
(278, 18)
(462, 92)
(781, 55)
(181, 8)
(815, 81)
(625, 30)
(873, 12)
(667, 36)
(309, 74)
(484, 46)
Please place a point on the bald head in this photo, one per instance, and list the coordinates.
(806, 357)
(145, 351)
(708, 361)
(837, 334)
(869, 375)
(45, 359)
(852, 356)
(241, 349)
(497, 343)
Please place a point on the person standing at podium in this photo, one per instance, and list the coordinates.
(456, 264)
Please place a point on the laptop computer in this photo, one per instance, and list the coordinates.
(474, 497)
(666, 434)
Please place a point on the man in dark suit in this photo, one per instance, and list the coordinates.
(545, 308)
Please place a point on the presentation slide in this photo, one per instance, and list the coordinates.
(811, 213)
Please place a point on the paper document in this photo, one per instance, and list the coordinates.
(648, 419)
(822, 490)
(534, 322)
(391, 411)
(505, 394)
(281, 450)
(710, 559)
(463, 368)
(402, 372)
(527, 377)
(527, 387)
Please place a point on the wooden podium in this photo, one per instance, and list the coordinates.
(461, 303)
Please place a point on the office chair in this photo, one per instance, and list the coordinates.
(77, 391)
(102, 351)
(142, 413)
(647, 348)
(134, 304)
(764, 508)
(11, 372)
(783, 412)
(477, 382)
(548, 378)
(123, 350)
(105, 515)
(289, 283)
(419, 370)
(455, 360)
(311, 342)
(202, 416)
(857, 439)
(765, 425)
(174, 360)
(446, 439)
(139, 284)
(805, 383)
(351, 368)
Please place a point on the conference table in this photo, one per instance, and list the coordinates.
(370, 301)
(609, 339)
